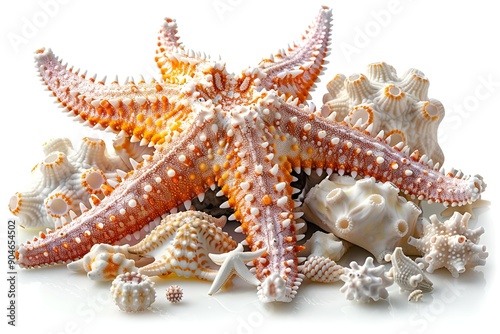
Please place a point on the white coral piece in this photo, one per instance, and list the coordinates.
(326, 245)
(66, 182)
(451, 244)
(105, 262)
(133, 292)
(364, 212)
(399, 106)
(365, 283)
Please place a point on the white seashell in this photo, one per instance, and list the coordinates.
(366, 213)
(416, 296)
(64, 181)
(105, 262)
(406, 273)
(366, 282)
(397, 105)
(450, 244)
(326, 245)
(322, 269)
(181, 243)
(133, 292)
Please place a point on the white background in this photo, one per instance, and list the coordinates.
(454, 44)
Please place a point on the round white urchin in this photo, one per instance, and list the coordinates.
(133, 292)
(365, 283)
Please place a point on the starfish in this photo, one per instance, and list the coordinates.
(233, 263)
(245, 133)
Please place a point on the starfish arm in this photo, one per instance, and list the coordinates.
(257, 182)
(142, 110)
(171, 177)
(242, 270)
(176, 64)
(332, 146)
(293, 72)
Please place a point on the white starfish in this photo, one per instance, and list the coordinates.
(233, 263)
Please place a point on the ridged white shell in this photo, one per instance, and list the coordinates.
(66, 182)
(397, 105)
(407, 274)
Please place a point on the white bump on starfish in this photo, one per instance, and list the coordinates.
(272, 289)
(234, 263)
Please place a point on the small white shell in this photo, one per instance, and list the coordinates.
(416, 296)
(407, 274)
(104, 262)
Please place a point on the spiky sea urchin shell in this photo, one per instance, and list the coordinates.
(450, 244)
(133, 292)
(365, 283)
(399, 106)
(174, 294)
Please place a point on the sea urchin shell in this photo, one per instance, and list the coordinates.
(133, 292)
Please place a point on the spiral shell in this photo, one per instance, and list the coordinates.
(322, 269)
